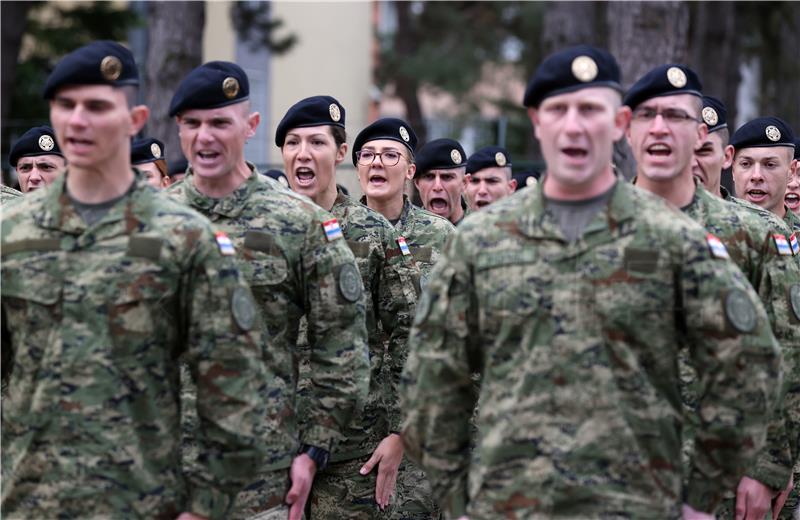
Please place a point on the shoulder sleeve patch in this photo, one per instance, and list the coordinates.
(782, 245)
(332, 229)
(794, 244)
(740, 312)
(716, 246)
(225, 244)
(401, 241)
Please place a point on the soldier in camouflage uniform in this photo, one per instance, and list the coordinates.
(37, 158)
(574, 314)
(673, 91)
(489, 177)
(762, 152)
(294, 271)
(383, 154)
(364, 469)
(8, 194)
(439, 178)
(99, 299)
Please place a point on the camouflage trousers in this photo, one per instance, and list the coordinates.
(341, 492)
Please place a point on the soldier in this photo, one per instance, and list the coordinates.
(763, 162)
(37, 158)
(666, 129)
(177, 171)
(575, 324)
(105, 282)
(441, 165)
(792, 197)
(148, 156)
(383, 154)
(312, 140)
(383, 167)
(488, 177)
(294, 270)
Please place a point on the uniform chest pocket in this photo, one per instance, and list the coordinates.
(266, 264)
(143, 308)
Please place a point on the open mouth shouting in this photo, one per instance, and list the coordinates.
(439, 206)
(206, 157)
(659, 151)
(756, 196)
(377, 179)
(305, 177)
(575, 153)
(792, 200)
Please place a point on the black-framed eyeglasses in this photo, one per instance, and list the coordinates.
(670, 115)
(388, 157)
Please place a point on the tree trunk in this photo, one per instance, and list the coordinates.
(407, 87)
(643, 35)
(571, 23)
(714, 51)
(175, 47)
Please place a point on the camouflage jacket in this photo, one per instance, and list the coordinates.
(426, 235)
(751, 245)
(7, 194)
(577, 346)
(97, 318)
(387, 274)
(792, 220)
(295, 271)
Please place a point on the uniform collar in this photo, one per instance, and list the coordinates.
(536, 222)
(230, 206)
(57, 211)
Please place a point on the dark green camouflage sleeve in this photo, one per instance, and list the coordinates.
(437, 388)
(223, 352)
(397, 298)
(338, 380)
(737, 360)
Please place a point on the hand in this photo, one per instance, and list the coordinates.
(752, 499)
(387, 456)
(780, 500)
(302, 476)
(691, 514)
(190, 516)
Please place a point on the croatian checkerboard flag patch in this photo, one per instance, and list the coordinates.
(225, 244)
(717, 247)
(332, 229)
(401, 241)
(784, 249)
(795, 245)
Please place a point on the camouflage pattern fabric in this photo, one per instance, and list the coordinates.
(792, 220)
(426, 235)
(387, 275)
(577, 345)
(8, 194)
(294, 271)
(98, 317)
(341, 492)
(749, 241)
(791, 404)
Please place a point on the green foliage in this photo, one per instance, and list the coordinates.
(256, 26)
(53, 34)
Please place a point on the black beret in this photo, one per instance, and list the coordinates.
(178, 167)
(278, 176)
(762, 132)
(797, 148)
(488, 157)
(386, 128)
(714, 114)
(572, 69)
(312, 111)
(101, 62)
(526, 178)
(440, 154)
(146, 150)
(39, 140)
(664, 80)
(212, 85)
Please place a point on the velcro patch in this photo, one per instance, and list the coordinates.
(225, 244)
(401, 241)
(784, 249)
(332, 229)
(716, 246)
